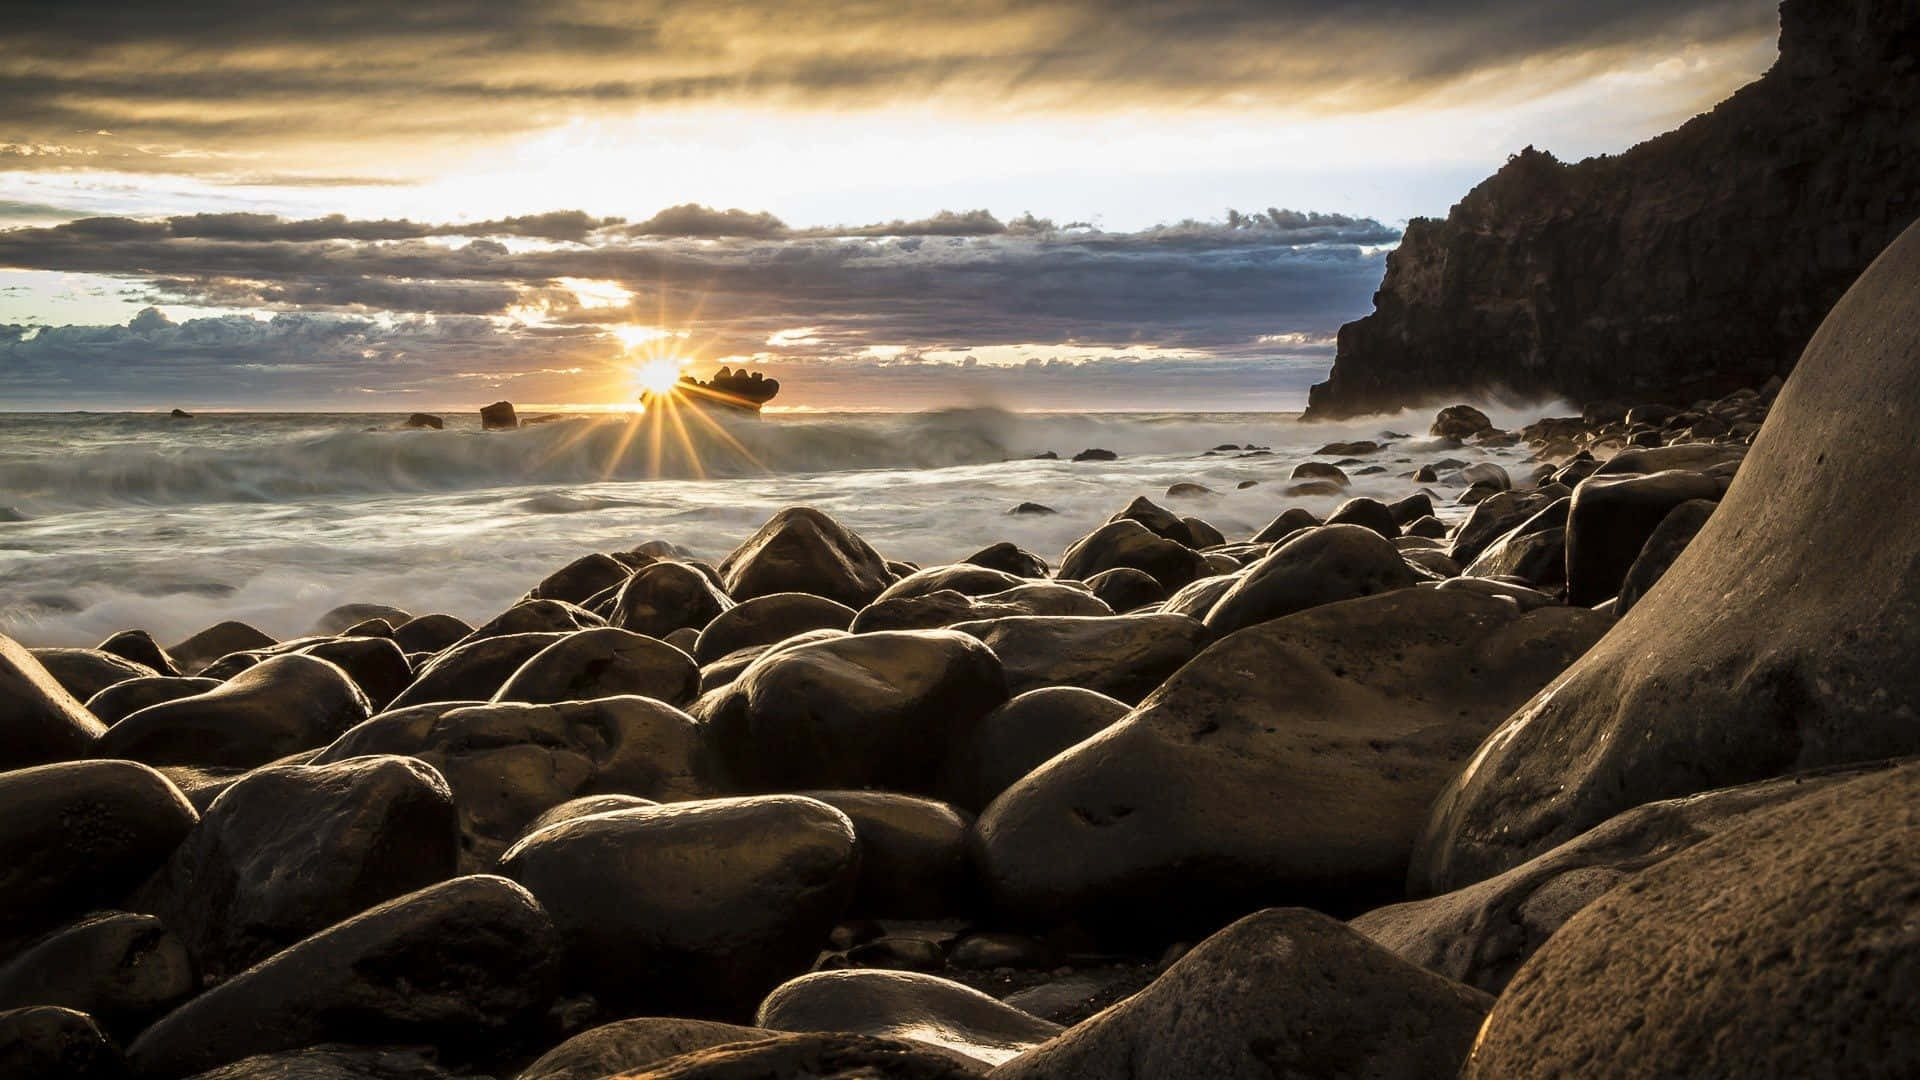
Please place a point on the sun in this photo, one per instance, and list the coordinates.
(658, 374)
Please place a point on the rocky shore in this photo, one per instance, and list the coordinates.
(1612, 777)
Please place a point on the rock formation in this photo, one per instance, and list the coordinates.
(1693, 263)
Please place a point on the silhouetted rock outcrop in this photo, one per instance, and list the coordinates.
(1693, 263)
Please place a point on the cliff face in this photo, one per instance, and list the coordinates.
(1697, 262)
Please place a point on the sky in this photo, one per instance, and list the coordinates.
(344, 204)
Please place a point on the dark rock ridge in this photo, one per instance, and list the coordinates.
(1695, 262)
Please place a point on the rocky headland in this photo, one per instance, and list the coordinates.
(1609, 770)
(1695, 263)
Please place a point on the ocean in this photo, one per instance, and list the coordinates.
(116, 520)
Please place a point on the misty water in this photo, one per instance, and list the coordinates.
(110, 521)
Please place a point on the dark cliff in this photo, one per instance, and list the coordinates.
(1693, 263)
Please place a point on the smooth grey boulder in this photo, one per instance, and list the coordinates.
(968, 579)
(40, 721)
(474, 670)
(1492, 518)
(430, 633)
(1197, 598)
(508, 763)
(1292, 760)
(1367, 513)
(767, 620)
(1284, 992)
(1481, 934)
(905, 1005)
(1011, 558)
(912, 853)
(1121, 656)
(86, 672)
(288, 851)
(117, 967)
(1757, 656)
(801, 549)
(698, 907)
(346, 615)
(1128, 543)
(139, 647)
(456, 965)
(1320, 566)
(1783, 946)
(667, 596)
(720, 674)
(869, 710)
(1123, 588)
(279, 706)
(626, 1045)
(1020, 736)
(1610, 521)
(1158, 519)
(582, 579)
(376, 665)
(1669, 539)
(1290, 521)
(1534, 550)
(535, 617)
(604, 662)
(78, 835)
(214, 642)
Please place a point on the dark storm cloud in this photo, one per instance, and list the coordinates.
(891, 295)
(221, 78)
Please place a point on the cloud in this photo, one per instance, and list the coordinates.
(1244, 290)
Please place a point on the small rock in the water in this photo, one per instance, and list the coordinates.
(498, 416)
(181, 414)
(426, 420)
(1032, 508)
(1096, 454)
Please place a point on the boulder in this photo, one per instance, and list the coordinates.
(765, 620)
(1320, 470)
(964, 578)
(507, 763)
(536, 617)
(1198, 598)
(1291, 520)
(1370, 513)
(604, 662)
(722, 672)
(869, 710)
(1783, 946)
(700, 907)
(816, 1057)
(139, 647)
(1481, 934)
(580, 580)
(1534, 550)
(1123, 588)
(1411, 509)
(85, 672)
(424, 420)
(626, 1045)
(1021, 735)
(801, 549)
(1759, 655)
(666, 596)
(215, 642)
(338, 619)
(288, 851)
(1460, 422)
(1121, 656)
(1668, 540)
(474, 670)
(1204, 534)
(1128, 543)
(1010, 558)
(905, 1005)
(1095, 453)
(1321, 566)
(498, 416)
(1284, 992)
(912, 855)
(334, 1061)
(47, 1042)
(375, 664)
(430, 633)
(40, 720)
(119, 968)
(584, 806)
(1492, 518)
(1610, 521)
(1295, 759)
(277, 707)
(456, 965)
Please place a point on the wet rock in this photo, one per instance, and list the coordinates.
(508, 763)
(1460, 422)
(1121, 656)
(583, 578)
(1045, 598)
(1431, 560)
(1188, 490)
(1750, 660)
(801, 549)
(1129, 543)
(338, 619)
(275, 708)
(1492, 518)
(1204, 535)
(1348, 449)
(120, 700)
(1370, 513)
(666, 596)
(536, 617)
(1284, 992)
(117, 967)
(584, 806)
(1339, 723)
(604, 662)
(1811, 904)
(1611, 519)
(375, 664)
(77, 835)
(1527, 599)
(1198, 598)
(1411, 509)
(633, 1044)
(289, 851)
(337, 1061)
(1668, 540)
(139, 647)
(722, 672)
(816, 1057)
(1018, 737)
(988, 950)
(699, 907)
(215, 642)
(1481, 934)
(1534, 551)
(1159, 520)
(423, 420)
(473, 671)
(1487, 476)
(1096, 454)
(1010, 558)
(498, 416)
(1429, 526)
(455, 965)
(1321, 471)
(905, 1005)
(40, 720)
(870, 710)
(1321, 566)
(912, 855)
(1032, 508)
(1124, 588)
(430, 633)
(964, 578)
(46, 1042)
(1690, 457)
(1290, 521)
